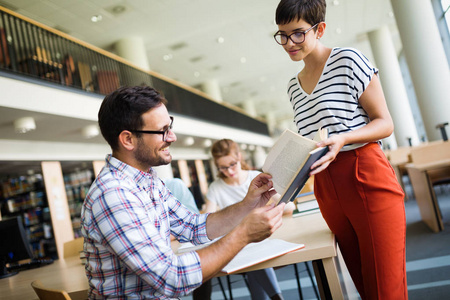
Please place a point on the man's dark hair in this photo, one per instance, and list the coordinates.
(122, 110)
(311, 11)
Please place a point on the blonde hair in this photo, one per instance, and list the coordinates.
(227, 147)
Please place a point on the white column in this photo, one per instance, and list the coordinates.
(271, 121)
(133, 50)
(426, 59)
(394, 89)
(249, 107)
(212, 88)
(259, 156)
(390, 142)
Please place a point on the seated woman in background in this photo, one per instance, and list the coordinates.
(231, 187)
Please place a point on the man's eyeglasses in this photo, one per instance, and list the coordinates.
(164, 133)
(231, 166)
(297, 37)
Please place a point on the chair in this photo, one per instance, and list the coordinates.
(45, 293)
(297, 277)
(73, 247)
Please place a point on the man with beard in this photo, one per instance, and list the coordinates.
(128, 214)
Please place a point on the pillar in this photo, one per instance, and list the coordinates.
(271, 121)
(393, 86)
(426, 60)
(249, 107)
(212, 88)
(133, 50)
(259, 156)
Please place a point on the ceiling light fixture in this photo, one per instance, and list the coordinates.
(90, 131)
(24, 125)
(207, 143)
(220, 40)
(243, 60)
(96, 18)
(167, 57)
(197, 74)
(189, 141)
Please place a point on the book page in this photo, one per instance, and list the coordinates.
(255, 253)
(286, 157)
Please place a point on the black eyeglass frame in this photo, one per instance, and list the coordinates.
(231, 166)
(165, 133)
(288, 37)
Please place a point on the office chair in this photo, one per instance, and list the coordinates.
(45, 293)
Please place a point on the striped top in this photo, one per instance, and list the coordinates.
(333, 103)
(127, 218)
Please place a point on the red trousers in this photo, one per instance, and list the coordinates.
(362, 203)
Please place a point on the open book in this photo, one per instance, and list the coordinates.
(289, 162)
(251, 254)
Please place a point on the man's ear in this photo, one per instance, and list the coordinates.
(126, 140)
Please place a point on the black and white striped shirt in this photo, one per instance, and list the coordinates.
(333, 103)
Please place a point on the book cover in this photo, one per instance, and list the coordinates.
(289, 162)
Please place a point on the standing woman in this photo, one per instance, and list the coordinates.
(355, 186)
(230, 187)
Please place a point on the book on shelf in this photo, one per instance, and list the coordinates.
(252, 254)
(290, 159)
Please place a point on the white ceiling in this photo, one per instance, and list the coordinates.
(194, 26)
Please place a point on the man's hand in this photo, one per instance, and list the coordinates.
(259, 191)
(261, 222)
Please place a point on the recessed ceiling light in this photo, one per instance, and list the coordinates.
(243, 60)
(220, 40)
(90, 131)
(196, 74)
(96, 18)
(338, 30)
(189, 141)
(167, 57)
(207, 143)
(335, 2)
(24, 125)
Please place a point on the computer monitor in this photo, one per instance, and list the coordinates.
(14, 245)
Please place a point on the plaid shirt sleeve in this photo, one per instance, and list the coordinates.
(132, 232)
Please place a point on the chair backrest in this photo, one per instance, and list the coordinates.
(73, 247)
(47, 293)
(431, 152)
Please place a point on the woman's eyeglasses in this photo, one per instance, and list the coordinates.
(297, 37)
(231, 166)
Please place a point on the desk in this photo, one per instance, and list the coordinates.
(320, 248)
(422, 176)
(311, 230)
(65, 274)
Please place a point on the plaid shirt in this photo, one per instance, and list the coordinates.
(127, 218)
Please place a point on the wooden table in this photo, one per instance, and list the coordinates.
(320, 248)
(422, 177)
(65, 275)
(311, 230)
